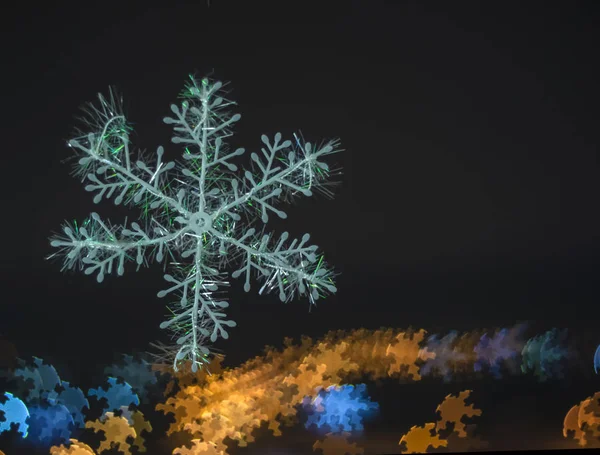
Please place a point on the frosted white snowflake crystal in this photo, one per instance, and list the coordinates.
(197, 215)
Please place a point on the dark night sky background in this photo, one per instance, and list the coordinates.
(471, 178)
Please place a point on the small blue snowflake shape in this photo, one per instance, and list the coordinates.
(33, 385)
(13, 411)
(198, 214)
(74, 400)
(41, 376)
(50, 424)
(337, 407)
(119, 394)
(136, 372)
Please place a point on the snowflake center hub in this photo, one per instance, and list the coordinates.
(199, 222)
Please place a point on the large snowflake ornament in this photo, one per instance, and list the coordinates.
(198, 215)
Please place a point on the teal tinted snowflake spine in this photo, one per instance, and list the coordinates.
(200, 216)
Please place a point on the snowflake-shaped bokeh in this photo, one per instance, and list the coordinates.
(446, 359)
(117, 394)
(545, 355)
(500, 350)
(198, 215)
(340, 408)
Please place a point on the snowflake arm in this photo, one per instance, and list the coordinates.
(199, 317)
(293, 269)
(96, 246)
(282, 170)
(107, 162)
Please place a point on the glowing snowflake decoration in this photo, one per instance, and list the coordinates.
(198, 210)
